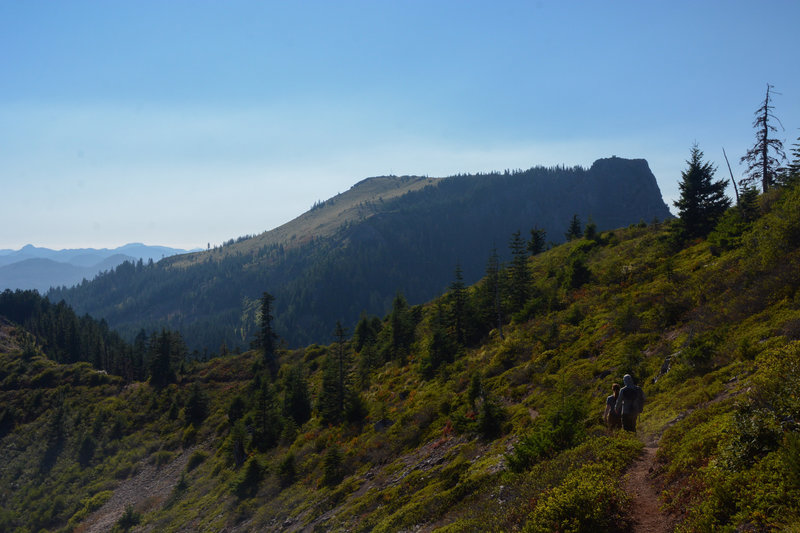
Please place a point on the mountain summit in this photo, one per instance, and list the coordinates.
(354, 252)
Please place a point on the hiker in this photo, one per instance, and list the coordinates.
(610, 416)
(629, 403)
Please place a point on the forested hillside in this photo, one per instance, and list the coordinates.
(477, 411)
(353, 253)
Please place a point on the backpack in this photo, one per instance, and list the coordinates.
(638, 401)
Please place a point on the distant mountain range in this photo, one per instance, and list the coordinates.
(354, 252)
(42, 268)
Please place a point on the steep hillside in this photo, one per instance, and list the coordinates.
(410, 426)
(352, 253)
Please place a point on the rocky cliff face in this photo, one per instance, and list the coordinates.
(635, 185)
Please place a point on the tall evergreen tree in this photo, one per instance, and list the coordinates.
(493, 302)
(267, 421)
(702, 201)
(766, 155)
(441, 347)
(458, 306)
(366, 332)
(341, 338)
(574, 231)
(267, 337)
(519, 276)
(791, 174)
(296, 401)
(160, 368)
(538, 241)
(400, 330)
(335, 387)
(328, 398)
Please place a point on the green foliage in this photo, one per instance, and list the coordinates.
(538, 241)
(245, 485)
(776, 234)
(196, 409)
(490, 418)
(702, 201)
(267, 338)
(267, 420)
(86, 450)
(562, 428)
(332, 467)
(129, 519)
(518, 274)
(576, 273)
(287, 471)
(712, 335)
(66, 337)
(590, 499)
(296, 401)
(574, 231)
(236, 409)
(195, 460)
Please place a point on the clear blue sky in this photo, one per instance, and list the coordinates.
(186, 122)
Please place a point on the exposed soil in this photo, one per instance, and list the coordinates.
(146, 490)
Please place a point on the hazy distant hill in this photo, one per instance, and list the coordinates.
(355, 251)
(42, 268)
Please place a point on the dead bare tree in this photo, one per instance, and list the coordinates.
(761, 163)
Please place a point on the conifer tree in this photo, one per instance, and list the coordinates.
(296, 401)
(702, 201)
(401, 329)
(333, 392)
(441, 346)
(766, 155)
(791, 174)
(267, 337)
(458, 306)
(160, 367)
(519, 277)
(493, 292)
(574, 231)
(538, 241)
(366, 332)
(328, 397)
(196, 406)
(267, 421)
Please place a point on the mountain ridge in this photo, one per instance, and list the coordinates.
(352, 253)
(41, 268)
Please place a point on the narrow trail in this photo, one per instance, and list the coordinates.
(645, 502)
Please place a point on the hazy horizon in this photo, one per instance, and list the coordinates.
(182, 124)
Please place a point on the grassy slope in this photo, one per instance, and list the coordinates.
(727, 408)
(350, 206)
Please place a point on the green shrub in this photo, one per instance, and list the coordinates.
(160, 458)
(197, 457)
(189, 436)
(246, 483)
(588, 500)
(560, 429)
(286, 471)
(130, 518)
(332, 473)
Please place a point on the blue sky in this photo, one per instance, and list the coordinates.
(187, 122)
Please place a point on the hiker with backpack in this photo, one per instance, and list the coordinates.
(630, 403)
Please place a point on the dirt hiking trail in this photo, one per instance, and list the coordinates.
(645, 501)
